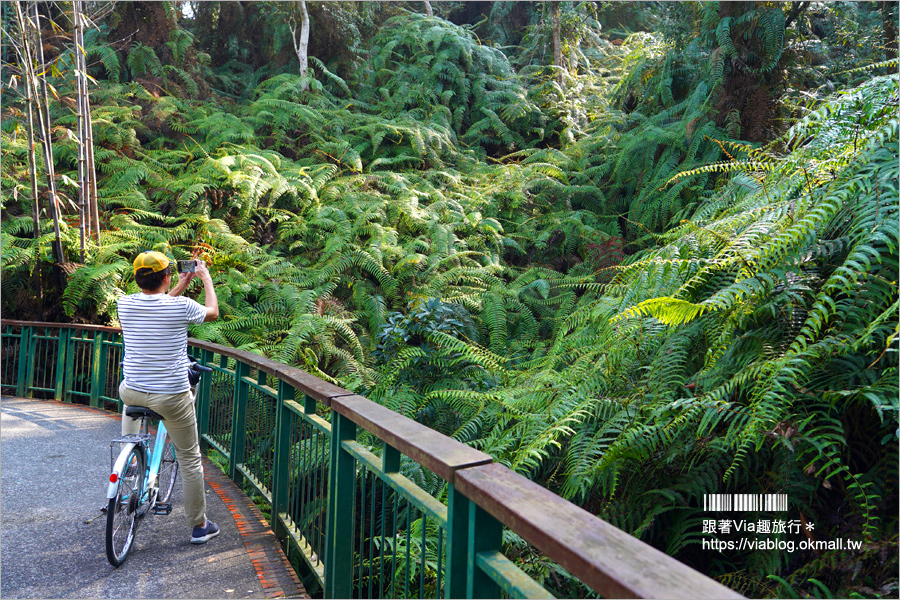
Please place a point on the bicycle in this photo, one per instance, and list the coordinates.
(142, 476)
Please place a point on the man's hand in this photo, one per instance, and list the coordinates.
(184, 279)
(201, 270)
(212, 303)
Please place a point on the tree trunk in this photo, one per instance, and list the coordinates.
(888, 20)
(557, 44)
(428, 10)
(146, 22)
(301, 46)
(797, 9)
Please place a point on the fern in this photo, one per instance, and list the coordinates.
(143, 61)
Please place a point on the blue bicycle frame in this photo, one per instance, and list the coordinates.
(153, 458)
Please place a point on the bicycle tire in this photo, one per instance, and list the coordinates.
(122, 511)
(168, 471)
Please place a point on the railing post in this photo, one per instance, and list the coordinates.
(339, 531)
(203, 399)
(319, 533)
(239, 420)
(98, 381)
(24, 353)
(32, 353)
(485, 535)
(457, 543)
(62, 363)
(280, 479)
(120, 376)
(390, 463)
(309, 405)
(390, 459)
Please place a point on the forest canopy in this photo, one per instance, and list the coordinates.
(639, 252)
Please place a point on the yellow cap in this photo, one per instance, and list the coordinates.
(155, 261)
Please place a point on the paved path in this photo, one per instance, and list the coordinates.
(54, 465)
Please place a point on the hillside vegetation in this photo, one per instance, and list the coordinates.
(664, 269)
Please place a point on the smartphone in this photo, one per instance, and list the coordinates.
(187, 266)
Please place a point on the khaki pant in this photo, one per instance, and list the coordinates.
(177, 411)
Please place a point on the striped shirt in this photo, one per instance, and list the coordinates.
(154, 328)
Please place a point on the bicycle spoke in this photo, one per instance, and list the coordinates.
(124, 508)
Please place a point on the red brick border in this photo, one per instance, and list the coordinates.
(275, 572)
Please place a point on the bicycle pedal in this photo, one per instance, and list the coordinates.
(162, 509)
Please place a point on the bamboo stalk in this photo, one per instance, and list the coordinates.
(32, 164)
(82, 130)
(90, 168)
(44, 124)
(33, 96)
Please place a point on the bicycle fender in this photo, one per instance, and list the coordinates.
(119, 469)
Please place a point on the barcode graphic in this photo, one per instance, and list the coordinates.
(744, 502)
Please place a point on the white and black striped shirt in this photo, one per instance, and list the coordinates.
(154, 328)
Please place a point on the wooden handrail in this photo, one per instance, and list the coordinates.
(63, 325)
(300, 380)
(433, 450)
(604, 557)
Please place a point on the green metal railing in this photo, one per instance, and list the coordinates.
(378, 505)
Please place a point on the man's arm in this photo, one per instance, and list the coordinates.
(212, 303)
(183, 280)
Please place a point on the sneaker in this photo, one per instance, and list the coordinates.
(202, 534)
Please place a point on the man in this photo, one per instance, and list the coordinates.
(154, 328)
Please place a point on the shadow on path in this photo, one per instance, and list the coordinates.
(54, 467)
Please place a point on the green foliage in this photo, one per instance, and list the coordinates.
(789, 323)
(438, 72)
(94, 47)
(143, 61)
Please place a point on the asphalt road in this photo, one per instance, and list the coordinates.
(54, 465)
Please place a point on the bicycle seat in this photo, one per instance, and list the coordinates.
(139, 412)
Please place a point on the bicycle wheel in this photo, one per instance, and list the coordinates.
(168, 471)
(121, 514)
